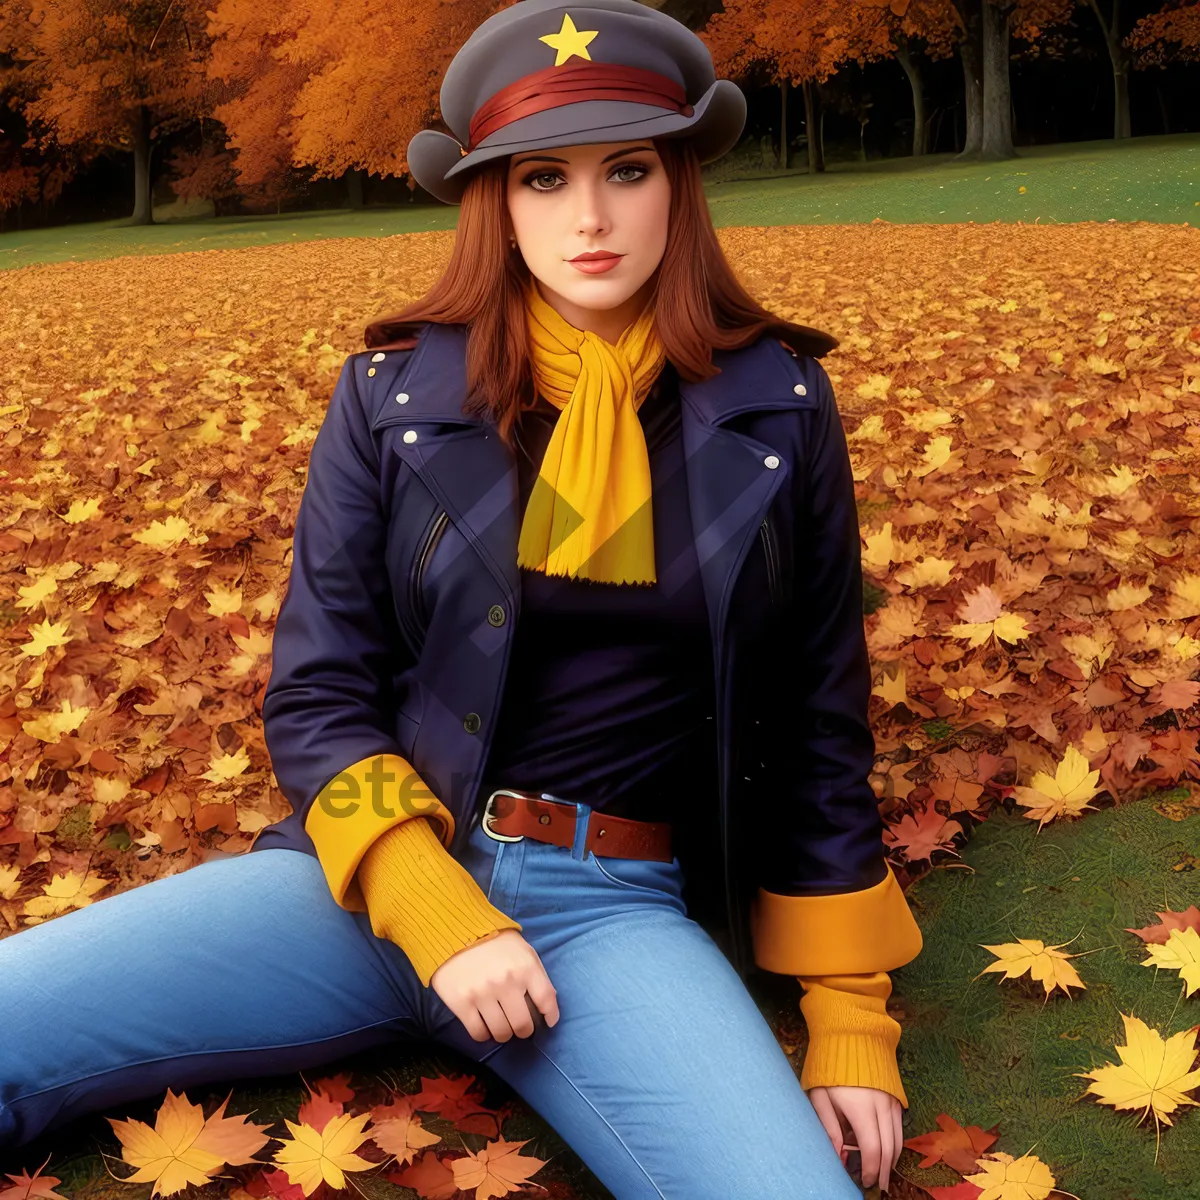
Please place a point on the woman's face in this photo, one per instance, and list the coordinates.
(570, 200)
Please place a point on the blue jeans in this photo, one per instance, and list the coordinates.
(662, 1074)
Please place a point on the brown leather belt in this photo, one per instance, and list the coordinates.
(511, 815)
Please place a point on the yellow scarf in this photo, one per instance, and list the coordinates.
(589, 514)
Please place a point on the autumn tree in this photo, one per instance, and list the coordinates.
(797, 42)
(106, 75)
(984, 49)
(1170, 35)
(918, 28)
(334, 86)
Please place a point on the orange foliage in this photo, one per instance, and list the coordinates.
(1022, 407)
(332, 85)
(1173, 34)
(93, 65)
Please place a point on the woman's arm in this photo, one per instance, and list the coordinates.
(328, 711)
(829, 909)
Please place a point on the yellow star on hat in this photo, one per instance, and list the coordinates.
(569, 40)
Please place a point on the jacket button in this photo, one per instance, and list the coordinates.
(800, 390)
(410, 435)
(402, 398)
(378, 357)
(496, 614)
(771, 460)
(471, 722)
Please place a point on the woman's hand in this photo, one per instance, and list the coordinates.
(875, 1116)
(484, 986)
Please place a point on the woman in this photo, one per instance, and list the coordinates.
(495, 820)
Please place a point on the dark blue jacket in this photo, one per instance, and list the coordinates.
(404, 593)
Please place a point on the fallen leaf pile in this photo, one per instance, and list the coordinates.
(324, 1145)
(1022, 407)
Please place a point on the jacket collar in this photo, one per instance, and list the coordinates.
(759, 377)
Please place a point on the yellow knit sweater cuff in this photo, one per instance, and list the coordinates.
(423, 899)
(851, 1039)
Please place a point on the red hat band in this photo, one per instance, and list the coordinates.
(569, 84)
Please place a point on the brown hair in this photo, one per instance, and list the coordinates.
(699, 304)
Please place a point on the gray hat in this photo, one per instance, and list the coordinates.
(546, 73)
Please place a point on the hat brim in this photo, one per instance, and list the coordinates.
(436, 161)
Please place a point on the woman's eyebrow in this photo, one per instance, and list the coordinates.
(606, 158)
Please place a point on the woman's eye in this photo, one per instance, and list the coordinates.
(531, 180)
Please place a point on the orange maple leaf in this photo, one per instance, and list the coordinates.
(919, 836)
(27, 1187)
(957, 1146)
(398, 1129)
(496, 1170)
(429, 1176)
(1158, 934)
(184, 1148)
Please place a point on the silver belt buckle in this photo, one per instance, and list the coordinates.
(488, 816)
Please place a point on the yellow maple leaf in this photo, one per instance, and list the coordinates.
(310, 1158)
(1065, 794)
(49, 727)
(228, 766)
(1153, 1075)
(1006, 1178)
(223, 600)
(1180, 953)
(184, 1148)
(164, 535)
(62, 893)
(46, 633)
(1046, 964)
(33, 595)
(81, 510)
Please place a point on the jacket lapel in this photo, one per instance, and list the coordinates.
(731, 477)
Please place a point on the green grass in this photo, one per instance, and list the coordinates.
(990, 1052)
(1143, 179)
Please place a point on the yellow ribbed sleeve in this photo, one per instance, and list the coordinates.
(840, 947)
(872, 929)
(356, 807)
(851, 1039)
(423, 899)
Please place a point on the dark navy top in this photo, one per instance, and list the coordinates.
(610, 696)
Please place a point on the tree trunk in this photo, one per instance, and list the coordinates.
(1163, 109)
(972, 64)
(997, 91)
(356, 179)
(816, 159)
(1121, 65)
(142, 214)
(913, 71)
(783, 133)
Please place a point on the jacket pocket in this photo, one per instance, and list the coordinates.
(775, 590)
(414, 619)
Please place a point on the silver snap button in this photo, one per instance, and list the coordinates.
(402, 398)
(771, 460)
(410, 435)
(800, 390)
(378, 357)
(600, 832)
